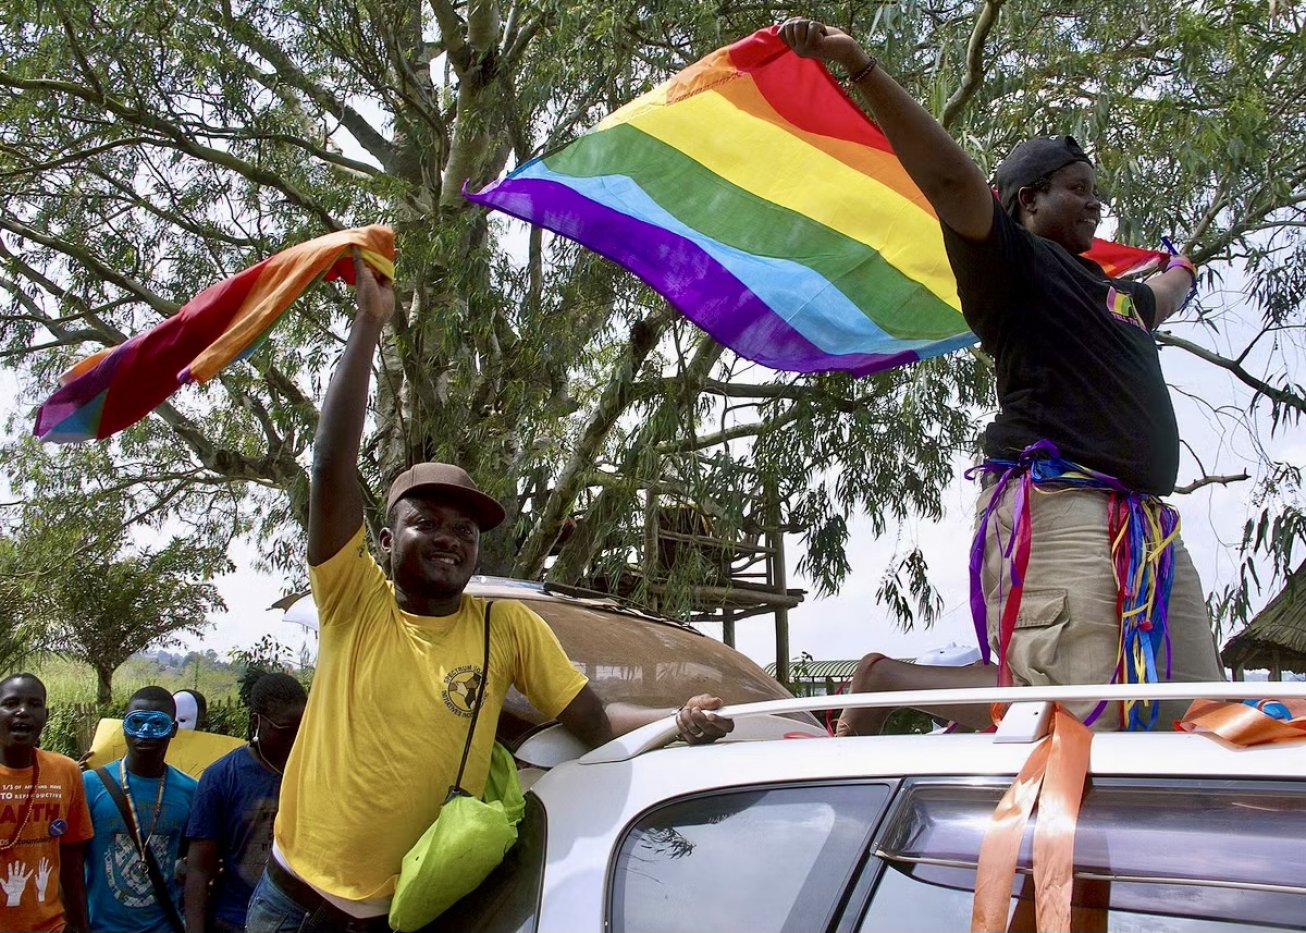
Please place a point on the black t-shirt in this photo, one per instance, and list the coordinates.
(1076, 360)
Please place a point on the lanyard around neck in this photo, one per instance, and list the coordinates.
(131, 802)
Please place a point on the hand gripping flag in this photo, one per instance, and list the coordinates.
(763, 204)
(119, 386)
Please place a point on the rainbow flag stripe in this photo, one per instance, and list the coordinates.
(118, 386)
(762, 203)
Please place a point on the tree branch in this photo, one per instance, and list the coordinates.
(620, 390)
(988, 18)
(1273, 393)
(1210, 481)
(177, 138)
(367, 136)
(728, 434)
(93, 263)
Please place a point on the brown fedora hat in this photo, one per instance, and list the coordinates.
(452, 482)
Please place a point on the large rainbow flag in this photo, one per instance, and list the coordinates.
(753, 194)
(118, 386)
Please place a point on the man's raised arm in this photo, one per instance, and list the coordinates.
(949, 179)
(335, 503)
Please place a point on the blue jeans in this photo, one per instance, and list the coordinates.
(272, 910)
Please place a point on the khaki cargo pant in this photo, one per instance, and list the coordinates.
(1067, 629)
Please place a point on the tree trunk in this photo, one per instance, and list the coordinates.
(104, 686)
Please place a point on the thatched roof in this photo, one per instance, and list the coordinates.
(1277, 634)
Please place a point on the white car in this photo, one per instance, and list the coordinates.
(773, 831)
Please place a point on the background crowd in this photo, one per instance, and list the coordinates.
(137, 844)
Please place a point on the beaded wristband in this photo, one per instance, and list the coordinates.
(863, 72)
(1181, 262)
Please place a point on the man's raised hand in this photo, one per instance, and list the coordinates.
(376, 294)
(811, 39)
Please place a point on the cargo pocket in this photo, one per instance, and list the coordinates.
(1034, 653)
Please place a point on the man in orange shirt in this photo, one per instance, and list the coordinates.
(44, 822)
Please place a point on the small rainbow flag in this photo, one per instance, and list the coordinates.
(119, 386)
(763, 204)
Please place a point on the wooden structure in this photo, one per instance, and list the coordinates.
(1276, 639)
(738, 576)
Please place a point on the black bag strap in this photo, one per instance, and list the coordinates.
(457, 789)
(152, 869)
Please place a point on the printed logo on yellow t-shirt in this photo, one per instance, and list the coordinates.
(462, 686)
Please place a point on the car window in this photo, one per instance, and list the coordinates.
(771, 859)
(508, 900)
(1164, 856)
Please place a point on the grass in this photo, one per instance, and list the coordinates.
(73, 682)
(71, 686)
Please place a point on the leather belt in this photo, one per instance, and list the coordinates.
(323, 915)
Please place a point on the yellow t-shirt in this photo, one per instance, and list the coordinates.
(387, 719)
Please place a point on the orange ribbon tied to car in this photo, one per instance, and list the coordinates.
(1053, 778)
(1254, 722)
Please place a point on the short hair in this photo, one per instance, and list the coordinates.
(275, 691)
(23, 675)
(155, 695)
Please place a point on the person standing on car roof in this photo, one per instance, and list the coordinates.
(400, 669)
(1085, 441)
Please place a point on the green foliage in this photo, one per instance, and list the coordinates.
(72, 687)
(265, 656)
(908, 722)
(149, 150)
(66, 730)
(1274, 534)
(98, 598)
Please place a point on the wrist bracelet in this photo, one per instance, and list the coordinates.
(1181, 262)
(864, 71)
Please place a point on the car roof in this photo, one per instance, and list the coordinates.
(630, 655)
(643, 769)
(1026, 719)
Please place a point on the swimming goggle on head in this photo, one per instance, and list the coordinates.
(148, 724)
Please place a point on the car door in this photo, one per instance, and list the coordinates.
(1150, 854)
(777, 857)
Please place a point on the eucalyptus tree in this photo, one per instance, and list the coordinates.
(151, 148)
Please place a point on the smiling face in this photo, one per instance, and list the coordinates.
(22, 713)
(433, 545)
(1069, 211)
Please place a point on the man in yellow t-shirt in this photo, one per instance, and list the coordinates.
(400, 669)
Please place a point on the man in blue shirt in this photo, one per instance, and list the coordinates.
(235, 809)
(119, 891)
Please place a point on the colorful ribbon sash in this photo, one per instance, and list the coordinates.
(1251, 722)
(1142, 532)
(1053, 777)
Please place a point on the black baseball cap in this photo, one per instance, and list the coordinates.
(1034, 159)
